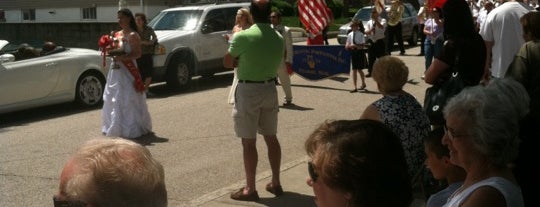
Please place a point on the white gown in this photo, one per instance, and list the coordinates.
(125, 113)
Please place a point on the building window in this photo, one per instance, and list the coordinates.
(89, 13)
(29, 14)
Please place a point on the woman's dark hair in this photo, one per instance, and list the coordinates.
(531, 24)
(126, 12)
(458, 20)
(142, 16)
(364, 158)
(434, 142)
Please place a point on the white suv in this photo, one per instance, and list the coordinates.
(191, 41)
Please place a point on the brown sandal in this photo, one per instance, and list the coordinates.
(276, 190)
(240, 196)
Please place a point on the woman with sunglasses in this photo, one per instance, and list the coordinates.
(481, 132)
(357, 163)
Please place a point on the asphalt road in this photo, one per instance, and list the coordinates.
(194, 138)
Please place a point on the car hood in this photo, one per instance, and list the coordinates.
(3, 43)
(165, 35)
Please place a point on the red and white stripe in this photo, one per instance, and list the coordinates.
(314, 15)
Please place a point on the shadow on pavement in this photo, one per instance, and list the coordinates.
(289, 199)
(150, 139)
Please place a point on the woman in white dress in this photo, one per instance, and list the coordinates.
(244, 20)
(125, 113)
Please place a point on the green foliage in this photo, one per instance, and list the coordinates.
(285, 8)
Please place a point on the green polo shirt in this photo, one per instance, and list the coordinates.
(259, 50)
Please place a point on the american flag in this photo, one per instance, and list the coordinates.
(314, 15)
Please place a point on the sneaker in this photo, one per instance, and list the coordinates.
(287, 103)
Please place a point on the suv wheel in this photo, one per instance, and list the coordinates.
(178, 73)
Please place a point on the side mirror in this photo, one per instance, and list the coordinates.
(5, 58)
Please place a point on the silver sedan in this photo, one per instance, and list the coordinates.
(29, 79)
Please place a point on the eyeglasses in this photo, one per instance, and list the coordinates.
(64, 203)
(312, 174)
(451, 134)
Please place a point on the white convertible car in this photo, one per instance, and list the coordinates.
(62, 75)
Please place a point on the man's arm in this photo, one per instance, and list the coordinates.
(229, 61)
(487, 73)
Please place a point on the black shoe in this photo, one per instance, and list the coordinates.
(402, 53)
(368, 75)
(353, 91)
(421, 54)
(287, 103)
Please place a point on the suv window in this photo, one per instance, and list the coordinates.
(176, 20)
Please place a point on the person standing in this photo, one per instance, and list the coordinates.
(259, 52)
(502, 35)
(148, 42)
(243, 21)
(283, 75)
(422, 17)
(375, 30)
(525, 68)
(355, 45)
(394, 27)
(433, 31)
(125, 113)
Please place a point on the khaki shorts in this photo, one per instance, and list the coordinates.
(255, 109)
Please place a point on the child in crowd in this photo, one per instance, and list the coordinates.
(438, 162)
(355, 45)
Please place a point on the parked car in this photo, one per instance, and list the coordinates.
(409, 23)
(191, 41)
(63, 75)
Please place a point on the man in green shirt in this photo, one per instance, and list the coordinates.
(257, 52)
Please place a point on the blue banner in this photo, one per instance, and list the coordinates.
(317, 62)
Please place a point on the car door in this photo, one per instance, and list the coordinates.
(27, 80)
(213, 45)
(408, 20)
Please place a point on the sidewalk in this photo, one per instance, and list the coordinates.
(293, 180)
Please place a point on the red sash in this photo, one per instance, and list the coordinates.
(139, 85)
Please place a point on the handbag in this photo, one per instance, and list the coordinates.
(438, 95)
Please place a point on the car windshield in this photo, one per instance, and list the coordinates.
(363, 14)
(176, 20)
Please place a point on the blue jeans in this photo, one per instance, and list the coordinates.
(431, 51)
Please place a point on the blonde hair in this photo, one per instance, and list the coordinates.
(390, 73)
(245, 12)
(116, 172)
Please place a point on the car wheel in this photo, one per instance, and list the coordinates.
(414, 37)
(178, 74)
(89, 91)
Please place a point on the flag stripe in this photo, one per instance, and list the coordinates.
(314, 15)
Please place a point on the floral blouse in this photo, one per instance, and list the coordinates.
(404, 115)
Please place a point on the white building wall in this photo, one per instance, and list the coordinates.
(65, 15)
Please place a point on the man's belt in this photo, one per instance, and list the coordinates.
(273, 80)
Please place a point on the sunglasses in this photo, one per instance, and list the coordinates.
(312, 174)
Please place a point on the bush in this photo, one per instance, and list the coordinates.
(285, 8)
